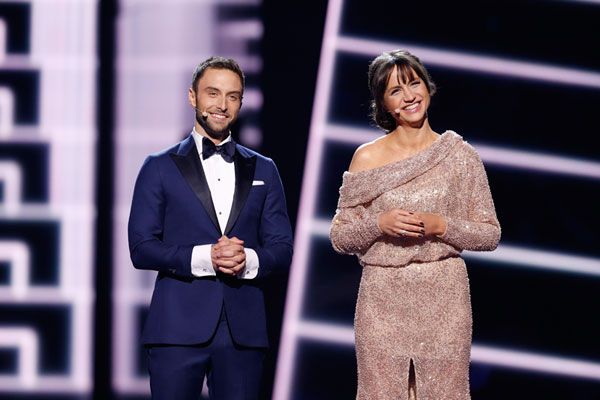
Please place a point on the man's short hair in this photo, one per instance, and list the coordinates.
(217, 62)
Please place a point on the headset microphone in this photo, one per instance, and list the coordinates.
(203, 113)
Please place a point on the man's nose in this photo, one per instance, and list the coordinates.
(222, 103)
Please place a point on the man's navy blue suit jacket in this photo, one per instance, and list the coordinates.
(172, 211)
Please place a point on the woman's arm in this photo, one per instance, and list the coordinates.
(353, 230)
(479, 230)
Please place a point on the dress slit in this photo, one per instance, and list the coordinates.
(412, 381)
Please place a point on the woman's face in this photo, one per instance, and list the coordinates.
(406, 99)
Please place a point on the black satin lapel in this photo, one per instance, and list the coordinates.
(191, 168)
(244, 174)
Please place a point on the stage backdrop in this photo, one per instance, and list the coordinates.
(47, 180)
(158, 46)
(524, 93)
(88, 88)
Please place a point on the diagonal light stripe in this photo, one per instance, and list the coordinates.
(513, 255)
(596, 2)
(538, 161)
(476, 63)
(296, 291)
(352, 134)
(326, 332)
(493, 155)
(294, 327)
(535, 362)
(344, 335)
(540, 259)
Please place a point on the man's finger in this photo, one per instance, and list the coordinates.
(226, 271)
(232, 247)
(239, 267)
(229, 262)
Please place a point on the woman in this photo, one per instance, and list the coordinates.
(409, 204)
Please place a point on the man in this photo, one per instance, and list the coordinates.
(210, 216)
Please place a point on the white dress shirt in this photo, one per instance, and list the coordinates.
(220, 176)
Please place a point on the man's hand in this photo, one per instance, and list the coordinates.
(228, 255)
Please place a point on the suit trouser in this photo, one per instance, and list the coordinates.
(233, 372)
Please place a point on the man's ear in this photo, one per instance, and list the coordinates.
(192, 97)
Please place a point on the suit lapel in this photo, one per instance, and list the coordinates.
(244, 174)
(188, 162)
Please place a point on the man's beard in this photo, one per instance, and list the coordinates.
(213, 133)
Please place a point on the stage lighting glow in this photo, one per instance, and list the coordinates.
(159, 46)
(47, 138)
(325, 133)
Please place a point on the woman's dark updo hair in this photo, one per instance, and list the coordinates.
(379, 74)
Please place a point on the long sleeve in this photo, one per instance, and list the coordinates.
(479, 229)
(275, 234)
(353, 230)
(145, 229)
(201, 262)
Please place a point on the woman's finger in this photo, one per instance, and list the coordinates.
(404, 232)
(409, 227)
(412, 220)
(404, 212)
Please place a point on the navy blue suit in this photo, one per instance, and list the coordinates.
(172, 211)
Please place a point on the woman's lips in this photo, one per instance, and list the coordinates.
(413, 107)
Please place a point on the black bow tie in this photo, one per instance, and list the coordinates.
(226, 150)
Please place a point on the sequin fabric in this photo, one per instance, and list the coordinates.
(414, 301)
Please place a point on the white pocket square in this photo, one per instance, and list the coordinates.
(258, 183)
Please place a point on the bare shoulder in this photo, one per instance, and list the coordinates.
(367, 156)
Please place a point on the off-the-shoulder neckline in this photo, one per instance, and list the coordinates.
(420, 153)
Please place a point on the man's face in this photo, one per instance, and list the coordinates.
(217, 100)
